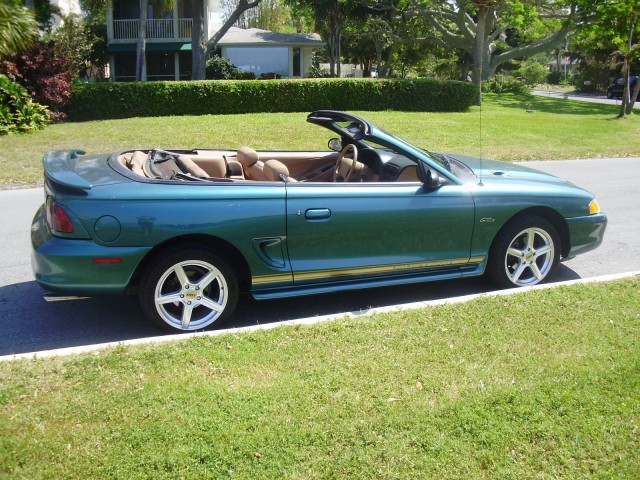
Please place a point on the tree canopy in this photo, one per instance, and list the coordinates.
(613, 37)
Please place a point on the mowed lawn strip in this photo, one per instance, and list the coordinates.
(543, 384)
(508, 127)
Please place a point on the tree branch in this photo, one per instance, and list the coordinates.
(243, 6)
(537, 47)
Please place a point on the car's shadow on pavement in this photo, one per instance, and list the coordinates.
(29, 324)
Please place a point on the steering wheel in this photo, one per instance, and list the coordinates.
(338, 171)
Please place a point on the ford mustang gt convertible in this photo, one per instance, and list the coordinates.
(189, 230)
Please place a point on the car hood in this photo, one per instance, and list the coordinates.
(494, 170)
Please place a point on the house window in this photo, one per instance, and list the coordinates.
(185, 10)
(297, 67)
(185, 62)
(161, 66)
(260, 60)
(124, 67)
(125, 10)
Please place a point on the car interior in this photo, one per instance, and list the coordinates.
(351, 164)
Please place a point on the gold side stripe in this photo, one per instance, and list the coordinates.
(277, 278)
(380, 269)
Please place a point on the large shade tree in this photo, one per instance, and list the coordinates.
(482, 28)
(393, 31)
(330, 17)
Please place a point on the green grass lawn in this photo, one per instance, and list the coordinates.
(544, 384)
(556, 129)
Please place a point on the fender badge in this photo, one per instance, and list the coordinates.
(487, 220)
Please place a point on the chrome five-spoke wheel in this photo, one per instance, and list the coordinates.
(530, 257)
(188, 291)
(524, 253)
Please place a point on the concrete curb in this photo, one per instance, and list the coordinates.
(306, 321)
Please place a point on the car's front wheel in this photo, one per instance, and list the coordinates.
(188, 290)
(524, 253)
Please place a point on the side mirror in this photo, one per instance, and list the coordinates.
(429, 178)
(335, 144)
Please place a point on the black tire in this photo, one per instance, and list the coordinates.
(525, 252)
(187, 290)
(609, 95)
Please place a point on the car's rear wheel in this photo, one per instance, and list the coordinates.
(524, 253)
(188, 290)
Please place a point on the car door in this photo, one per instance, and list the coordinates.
(350, 231)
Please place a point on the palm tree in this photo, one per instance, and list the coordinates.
(18, 27)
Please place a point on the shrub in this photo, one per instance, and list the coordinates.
(220, 68)
(75, 41)
(532, 72)
(44, 73)
(149, 99)
(18, 112)
(245, 76)
(270, 76)
(502, 84)
(554, 77)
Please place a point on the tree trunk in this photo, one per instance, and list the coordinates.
(479, 51)
(632, 99)
(198, 59)
(141, 64)
(334, 29)
(633, 95)
(625, 92)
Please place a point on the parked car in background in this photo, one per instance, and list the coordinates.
(616, 89)
(188, 230)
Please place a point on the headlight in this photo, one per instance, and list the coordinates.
(594, 207)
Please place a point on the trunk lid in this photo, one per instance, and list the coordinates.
(73, 169)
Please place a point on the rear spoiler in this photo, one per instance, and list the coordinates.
(59, 166)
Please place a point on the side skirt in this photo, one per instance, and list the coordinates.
(470, 271)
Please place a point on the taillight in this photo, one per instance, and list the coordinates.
(58, 219)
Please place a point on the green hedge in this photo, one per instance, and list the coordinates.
(97, 101)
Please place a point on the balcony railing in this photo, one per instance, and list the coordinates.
(156, 29)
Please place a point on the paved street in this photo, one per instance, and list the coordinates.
(581, 97)
(27, 323)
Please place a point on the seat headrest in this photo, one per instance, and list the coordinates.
(273, 169)
(247, 156)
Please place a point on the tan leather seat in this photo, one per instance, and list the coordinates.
(192, 168)
(276, 171)
(251, 164)
(136, 163)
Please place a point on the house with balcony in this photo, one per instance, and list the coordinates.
(168, 43)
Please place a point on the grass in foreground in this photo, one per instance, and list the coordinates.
(557, 129)
(536, 385)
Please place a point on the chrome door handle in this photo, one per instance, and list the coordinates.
(317, 214)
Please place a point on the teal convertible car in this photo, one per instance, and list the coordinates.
(188, 230)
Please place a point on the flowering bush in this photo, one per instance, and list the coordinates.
(45, 74)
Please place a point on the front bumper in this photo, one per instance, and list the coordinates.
(586, 233)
